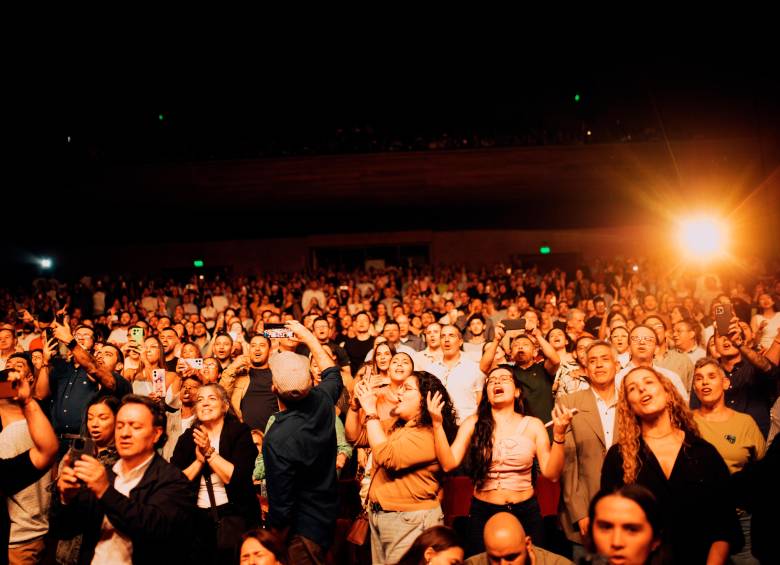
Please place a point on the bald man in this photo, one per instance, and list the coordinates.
(507, 544)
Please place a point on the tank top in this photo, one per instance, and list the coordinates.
(513, 459)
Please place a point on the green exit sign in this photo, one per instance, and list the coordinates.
(198, 263)
(545, 250)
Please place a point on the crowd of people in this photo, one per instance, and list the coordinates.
(618, 413)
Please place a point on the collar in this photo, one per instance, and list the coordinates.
(599, 399)
(135, 473)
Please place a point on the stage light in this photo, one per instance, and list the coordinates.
(703, 237)
(635, 268)
(545, 250)
(45, 263)
(161, 117)
(197, 263)
(577, 97)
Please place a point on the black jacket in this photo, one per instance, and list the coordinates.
(157, 516)
(236, 446)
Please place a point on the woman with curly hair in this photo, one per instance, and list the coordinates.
(659, 447)
(406, 485)
(500, 444)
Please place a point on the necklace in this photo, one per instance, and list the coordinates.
(648, 436)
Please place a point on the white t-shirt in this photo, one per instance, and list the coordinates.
(463, 382)
(115, 547)
(770, 331)
(220, 494)
(28, 509)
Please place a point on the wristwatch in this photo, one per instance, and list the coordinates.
(209, 453)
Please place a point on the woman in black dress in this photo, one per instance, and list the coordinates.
(659, 447)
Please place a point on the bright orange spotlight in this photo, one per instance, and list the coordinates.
(703, 238)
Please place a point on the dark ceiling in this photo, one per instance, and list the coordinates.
(189, 155)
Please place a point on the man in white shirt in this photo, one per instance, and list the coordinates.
(432, 352)
(591, 434)
(643, 342)
(460, 375)
(140, 510)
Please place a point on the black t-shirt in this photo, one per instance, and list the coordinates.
(259, 402)
(170, 366)
(536, 390)
(341, 356)
(357, 351)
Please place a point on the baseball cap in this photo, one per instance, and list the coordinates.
(290, 373)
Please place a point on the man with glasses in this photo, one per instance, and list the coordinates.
(643, 344)
(685, 335)
(670, 358)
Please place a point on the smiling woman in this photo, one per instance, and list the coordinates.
(659, 447)
(217, 455)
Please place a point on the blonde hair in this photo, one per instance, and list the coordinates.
(629, 425)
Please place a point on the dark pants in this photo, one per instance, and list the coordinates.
(527, 512)
(304, 551)
(206, 550)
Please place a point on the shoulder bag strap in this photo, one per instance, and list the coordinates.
(206, 473)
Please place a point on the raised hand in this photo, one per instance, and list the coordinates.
(561, 419)
(435, 405)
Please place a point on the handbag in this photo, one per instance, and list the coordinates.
(228, 528)
(359, 530)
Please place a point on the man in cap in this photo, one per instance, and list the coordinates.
(299, 451)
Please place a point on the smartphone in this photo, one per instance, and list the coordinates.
(60, 318)
(510, 325)
(196, 363)
(82, 446)
(8, 389)
(158, 382)
(723, 315)
(137, 335)
(275, 331)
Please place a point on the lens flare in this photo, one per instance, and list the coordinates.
(703, 238)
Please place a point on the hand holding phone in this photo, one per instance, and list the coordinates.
(277, 331)
(158, 382)
(196, 363)
(723, 315)
(8, 389)
(510, 325)
(137, 335)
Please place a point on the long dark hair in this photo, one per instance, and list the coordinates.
(428, 383)
(480, 452)
(440, 538)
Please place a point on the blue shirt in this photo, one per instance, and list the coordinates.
(299, 452)
(72, 390)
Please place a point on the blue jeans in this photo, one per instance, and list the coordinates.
(744, 557)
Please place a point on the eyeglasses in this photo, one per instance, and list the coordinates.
(499, 380)
(641, 338)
